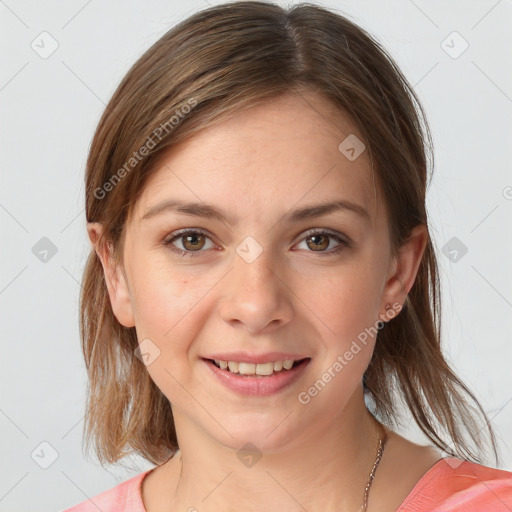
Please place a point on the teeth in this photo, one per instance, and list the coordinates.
(287, 364)
(254, 369)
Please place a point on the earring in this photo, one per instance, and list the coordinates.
(382, 322)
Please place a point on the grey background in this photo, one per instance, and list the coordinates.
(49, 109)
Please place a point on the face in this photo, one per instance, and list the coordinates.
(261, 282)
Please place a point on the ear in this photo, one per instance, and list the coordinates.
(114, 277)
(403, 270)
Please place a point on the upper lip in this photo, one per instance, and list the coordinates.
(245, 357)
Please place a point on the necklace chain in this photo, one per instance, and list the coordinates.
(380, 450)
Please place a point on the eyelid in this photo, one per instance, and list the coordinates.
(326, 231)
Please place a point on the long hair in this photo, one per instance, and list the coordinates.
(217, 62)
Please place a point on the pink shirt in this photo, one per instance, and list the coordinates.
(448, 486)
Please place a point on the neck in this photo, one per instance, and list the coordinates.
(326, 470)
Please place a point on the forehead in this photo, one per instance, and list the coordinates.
(283, 152)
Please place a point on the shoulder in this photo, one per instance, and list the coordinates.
(126, 496)
(453, 485)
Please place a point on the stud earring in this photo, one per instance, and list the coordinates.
(383, 318)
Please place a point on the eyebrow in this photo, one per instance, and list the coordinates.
(201, 209)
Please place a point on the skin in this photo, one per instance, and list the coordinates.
(259, 165)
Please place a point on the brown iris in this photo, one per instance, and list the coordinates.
(319, 246)
(193, 240)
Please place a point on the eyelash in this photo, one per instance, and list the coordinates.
(344, 244)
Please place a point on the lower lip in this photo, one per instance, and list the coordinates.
(254, 385)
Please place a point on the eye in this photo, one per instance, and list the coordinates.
(318, 241)
(192, 240)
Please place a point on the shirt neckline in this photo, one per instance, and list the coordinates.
(422, 482)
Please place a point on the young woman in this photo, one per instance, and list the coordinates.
(262, 295)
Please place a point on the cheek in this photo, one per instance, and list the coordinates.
(349, 323)
(349, 303)
(165, 316)
(162, 314)
(170, 309)
(162, 299)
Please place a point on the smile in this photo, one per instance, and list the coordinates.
(261, 369)
(257, 379)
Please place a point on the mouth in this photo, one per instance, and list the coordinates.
(260, 370)
(258, 379)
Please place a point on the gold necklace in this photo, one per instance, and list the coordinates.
(380, 450)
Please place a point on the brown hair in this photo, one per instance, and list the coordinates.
(221, 60)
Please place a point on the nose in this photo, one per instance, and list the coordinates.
(256, 296)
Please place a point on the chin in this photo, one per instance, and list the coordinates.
(271, 433)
